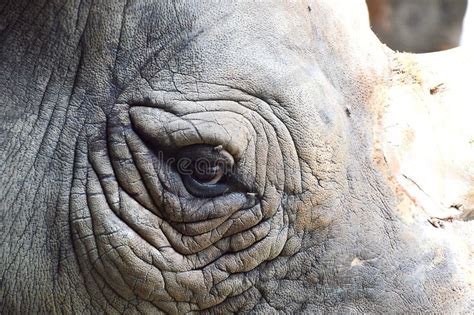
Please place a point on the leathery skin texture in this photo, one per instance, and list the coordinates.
(102, 99)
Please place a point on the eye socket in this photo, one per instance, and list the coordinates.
(205, 170)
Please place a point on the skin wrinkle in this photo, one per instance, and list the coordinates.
(149, 190)
(97, 259)
(181, 46)
(119, 168)
(117, 209)
(103, 255)
(91, 270)
(35, 161)
(224, 220)
(276, 104)
(37, 190)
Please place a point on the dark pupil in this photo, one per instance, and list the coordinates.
(206, 171)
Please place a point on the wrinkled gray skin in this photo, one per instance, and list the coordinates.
(91, 92)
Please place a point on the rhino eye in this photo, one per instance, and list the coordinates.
(206, 171)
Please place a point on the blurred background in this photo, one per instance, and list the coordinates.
(423, 25)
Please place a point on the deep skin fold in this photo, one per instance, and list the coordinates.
(85, 233)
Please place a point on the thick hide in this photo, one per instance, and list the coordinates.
(185, 156)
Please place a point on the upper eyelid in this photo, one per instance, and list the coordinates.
(169, 130)
(184, 162)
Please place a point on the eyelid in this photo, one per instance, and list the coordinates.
(171, 131)
(221, 173)
(203, 190)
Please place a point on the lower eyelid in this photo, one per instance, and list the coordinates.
(219, 175)
(204, 190)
